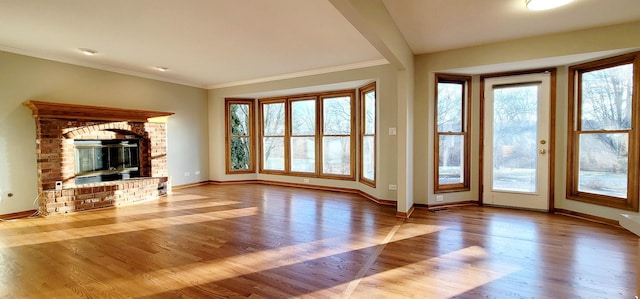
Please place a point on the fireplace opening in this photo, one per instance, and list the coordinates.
(106, 160)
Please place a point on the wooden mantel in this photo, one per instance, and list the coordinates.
(72, 111)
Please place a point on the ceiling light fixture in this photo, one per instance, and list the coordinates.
(161, 68)
(545, 4)
(88, 52)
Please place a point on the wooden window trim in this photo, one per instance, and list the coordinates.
(574, 131)
(252, 145)
(290, 102)
(287, 100)
(351, 95)
(363, 91)
(262, 136)
(466, 119)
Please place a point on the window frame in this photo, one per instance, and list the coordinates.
(284, 136)
(318, 97)
(465, 185)
(351, 135)
(228, 136)
(575, 131)
(290, 102)
(362, 104)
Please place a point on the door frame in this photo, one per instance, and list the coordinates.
(552, 129)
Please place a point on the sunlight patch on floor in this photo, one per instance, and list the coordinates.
(123, 227)
(177, 197)
(139, 210)
(201, 273)
(444, 276)
(412, 230)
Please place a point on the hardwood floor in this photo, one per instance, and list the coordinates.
(257, 241)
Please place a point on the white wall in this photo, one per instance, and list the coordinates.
(26, 78)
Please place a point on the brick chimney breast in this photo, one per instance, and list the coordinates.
(59, 125)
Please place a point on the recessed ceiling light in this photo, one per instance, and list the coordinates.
(161, 68)
(545, 4)
(88, 52)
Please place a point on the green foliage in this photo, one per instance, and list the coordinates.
(240, 154)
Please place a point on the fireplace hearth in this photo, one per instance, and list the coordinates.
(101, 156)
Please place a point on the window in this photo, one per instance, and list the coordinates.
(368, 134)
(337, 141)
(239, 136)
(303, 135)
(273, 136)
(603, 135)
(452, 133)
(308, 135)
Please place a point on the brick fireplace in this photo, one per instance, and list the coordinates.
(62, 181)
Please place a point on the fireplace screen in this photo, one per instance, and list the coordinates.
(106, 160)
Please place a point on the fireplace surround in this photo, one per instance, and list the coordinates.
(67, 134)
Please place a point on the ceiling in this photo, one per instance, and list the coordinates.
(437, 25)
(217, 43)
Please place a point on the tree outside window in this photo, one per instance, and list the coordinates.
(368, 134)
(308, 135)
(336, 135)
(451, 133)
(603, 138)
(303, 135)
(239, 136)
(515, 135)
(273, 140)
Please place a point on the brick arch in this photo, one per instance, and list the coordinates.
(123, 128)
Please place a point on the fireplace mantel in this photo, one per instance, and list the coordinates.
(73, 111)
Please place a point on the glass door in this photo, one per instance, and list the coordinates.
(516, 141)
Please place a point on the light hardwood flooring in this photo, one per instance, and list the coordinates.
(258, 241)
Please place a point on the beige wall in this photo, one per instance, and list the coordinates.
(373, 21)
(25, 78)
(557, 50)
(384, 75)
(196, 132)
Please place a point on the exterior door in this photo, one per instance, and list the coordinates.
(516, 141)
